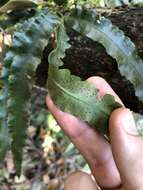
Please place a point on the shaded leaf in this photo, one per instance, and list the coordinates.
(116, 43)
(17, 4)
(116, 3)
(61, 2)
(4, 133)
(23, 58)
(16, 16)
(2, 2)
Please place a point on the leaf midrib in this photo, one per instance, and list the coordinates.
(115, 44)
(72, 95)
(67, 92)
(134, 65)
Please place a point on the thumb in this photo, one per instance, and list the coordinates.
(127, 148)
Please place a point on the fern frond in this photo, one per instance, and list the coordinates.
(4, 132)
(72, 94)
(116, 43)
(23, 58)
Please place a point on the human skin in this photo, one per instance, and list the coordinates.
(117, 165)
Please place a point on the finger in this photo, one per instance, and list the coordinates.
(92, 146)
(127, 148)
(80, 181)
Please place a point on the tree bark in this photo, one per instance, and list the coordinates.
(87, 58)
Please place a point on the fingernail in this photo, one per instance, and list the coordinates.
(128, 123)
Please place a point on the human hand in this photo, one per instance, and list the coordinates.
(115, 166)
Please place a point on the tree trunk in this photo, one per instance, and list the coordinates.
(87, 58)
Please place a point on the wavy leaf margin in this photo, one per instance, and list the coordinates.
(22, 60)
(116, 43)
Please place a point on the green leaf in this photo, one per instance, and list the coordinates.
(80, 98)
(2, 2)
(62, 44)
(137, 2)
(17, 4)
(61, 2)
(139, 123)
(73, 95)
(23, 58)
(116, 3)
(4, 133)
(14, 17)
(116, 43)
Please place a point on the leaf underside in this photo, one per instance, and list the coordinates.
(22, 60)
(80, 98)
(117, 45)
(72, 94)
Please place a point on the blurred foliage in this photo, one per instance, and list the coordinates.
(48, 130)
(48, 157)
(17, 4)
(2, 2)
(91, 2)
(61, 2)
